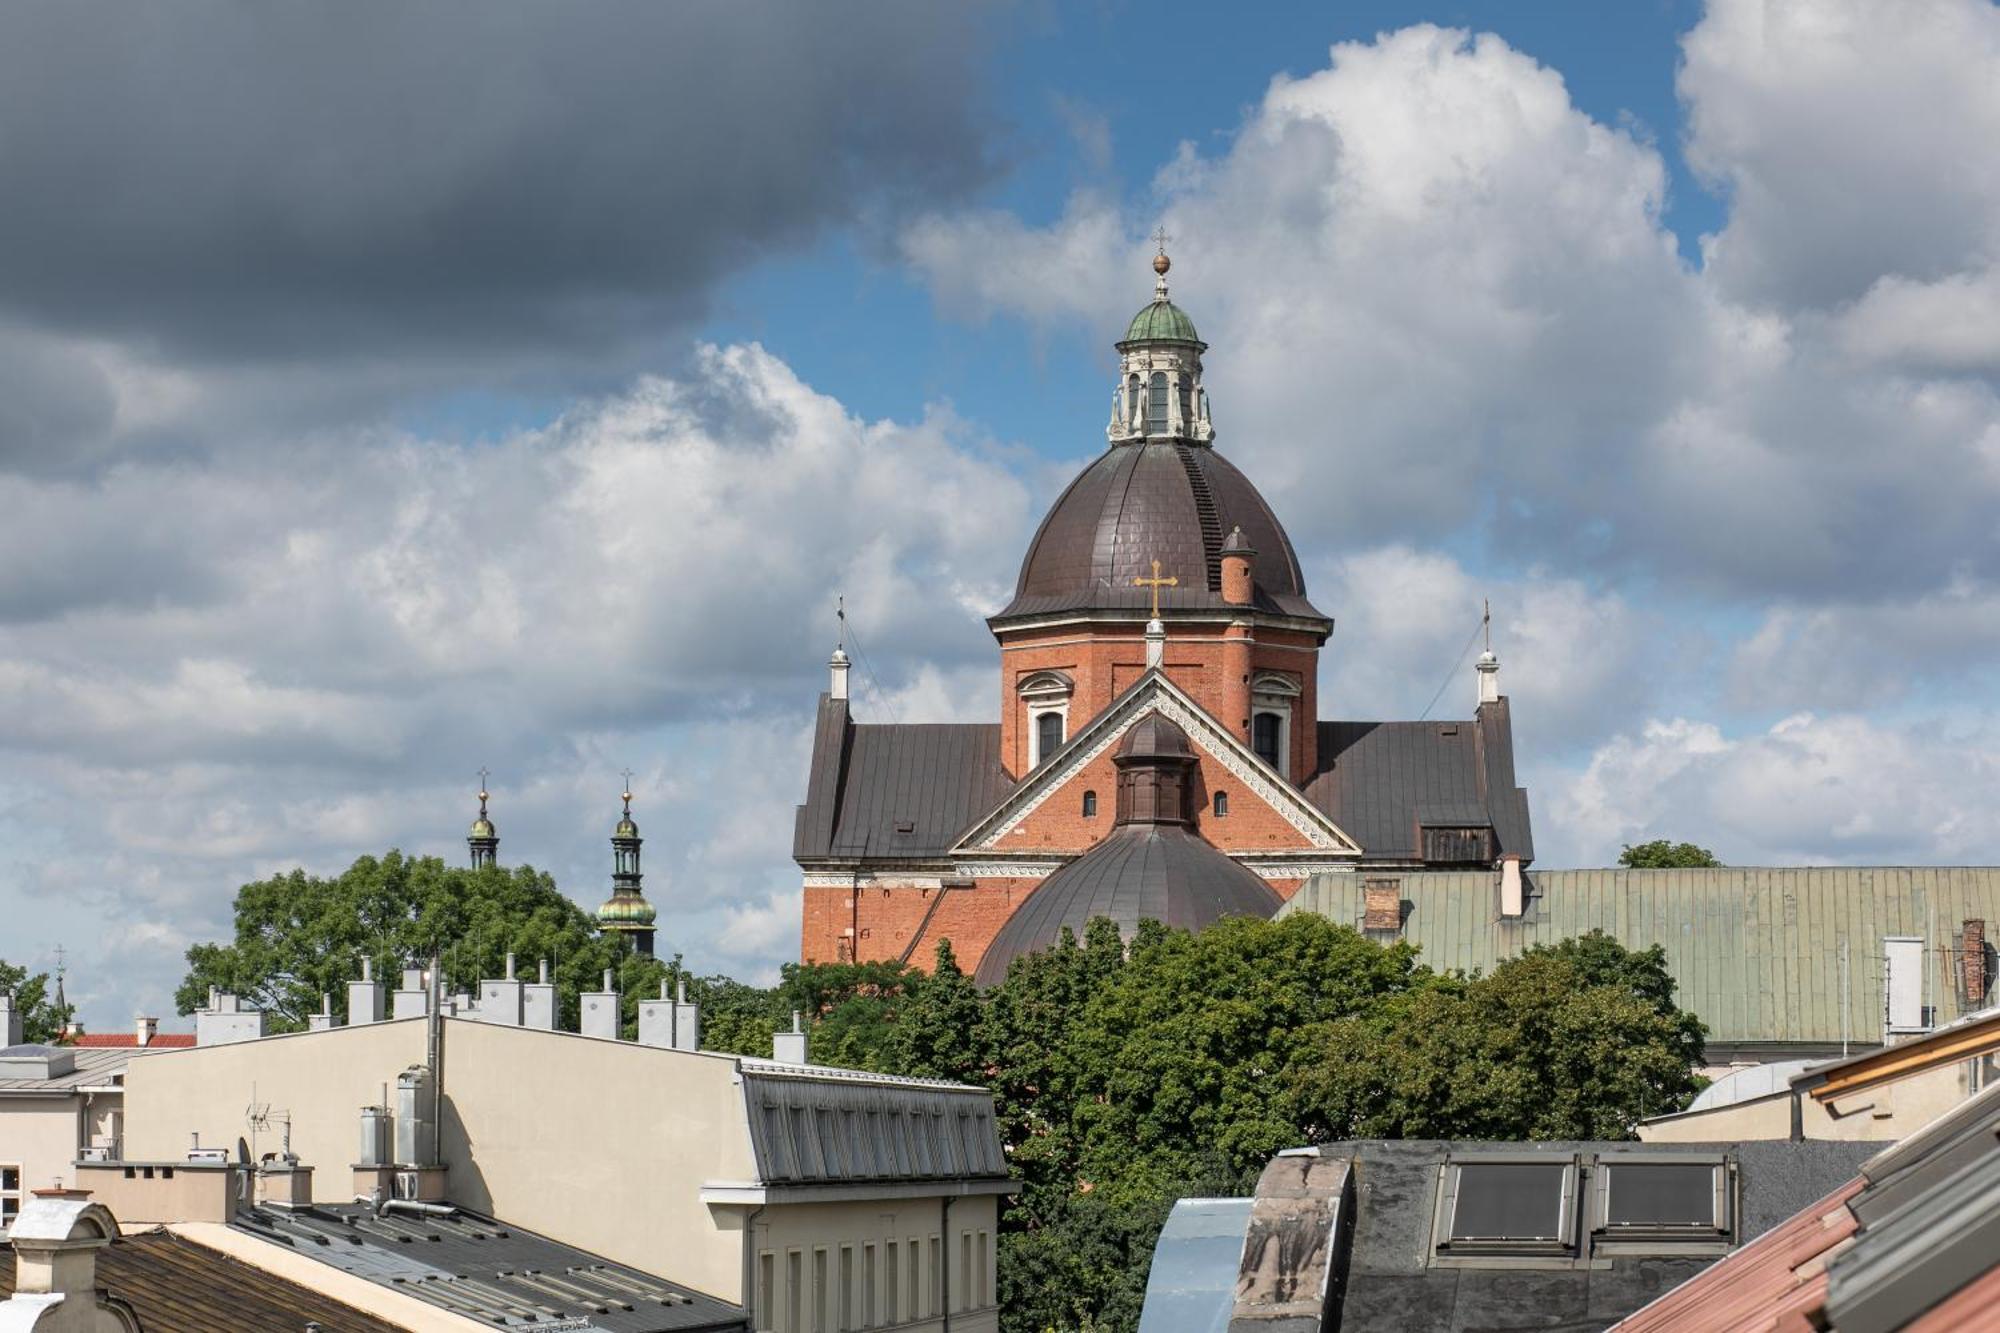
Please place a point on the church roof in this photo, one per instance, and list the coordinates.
(1162, 500)
(1139, 872)
(896, 791)
(1382, 782)
(1161, 321)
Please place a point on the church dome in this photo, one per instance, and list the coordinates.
(482, 827)
(1139, 872)
(1164, 500)
(621, 910)
(1160, 321)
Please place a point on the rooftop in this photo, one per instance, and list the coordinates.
(67, 1068)
(486, 1270)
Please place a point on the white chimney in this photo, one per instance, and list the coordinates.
(10, 1020)
(1513, 896)
(364, 998)
(144, 1029)
(600, 1017)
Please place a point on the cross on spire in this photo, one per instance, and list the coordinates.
(1160, 238)
(628, 791)
(483, 775)
(1156, 583)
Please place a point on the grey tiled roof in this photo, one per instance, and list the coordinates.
(1138, 503)
(896, 791)
(821, 1132)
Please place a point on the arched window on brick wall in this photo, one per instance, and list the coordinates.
(1220, 804)
(1090, 805)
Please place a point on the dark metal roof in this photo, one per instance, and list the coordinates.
(487, 1271)
(1139, 872)
(818, 1132)
(1167, 501)
(900, 790)
(1380, 781)
(1384, 1277)
(172, 1283)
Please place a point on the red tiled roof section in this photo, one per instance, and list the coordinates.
(173, 1040)
(1769, 1286)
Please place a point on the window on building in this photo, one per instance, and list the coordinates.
(795, 1292)
(1090, 805)
(10, 1193)
(1187, 401)
(819, 1292)
(867, 1319)
(1132, 399)
(767, 1291)
(891, 1291)
(982, 1293)
(1658, 1203)
(1156, 409)
(1266, 737)
(1048, 735)
(1220, 804)
(937, 1276)
(845, 1319)
(965, 1270)
(1507, 1207)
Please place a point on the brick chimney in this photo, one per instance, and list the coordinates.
(1973, 946)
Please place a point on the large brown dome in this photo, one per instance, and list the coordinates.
(1164, 500)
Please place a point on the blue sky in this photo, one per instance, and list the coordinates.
(430, 392)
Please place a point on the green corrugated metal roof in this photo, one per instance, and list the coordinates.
(1161, 321)
(1756, 951)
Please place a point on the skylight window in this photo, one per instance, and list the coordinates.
(1662, 1204)
(1492, 1206)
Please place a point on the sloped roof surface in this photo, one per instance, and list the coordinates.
(1912, 1242)
(1165, 501)
(90, 1067)
(815, 1131)
(130, 1040)
(173, 1283)
(897, 789)
(487, 1271)
(1756, 951)
(1191, 1287)
(1139, 872)
(1381, 781)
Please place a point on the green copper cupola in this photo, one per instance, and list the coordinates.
(1159, 398)
(626, 912)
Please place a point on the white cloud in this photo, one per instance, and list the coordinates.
(1809, 790)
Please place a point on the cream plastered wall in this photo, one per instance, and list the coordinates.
(38, 1134)
(1885, 1113)
(802, 1229)
(321, 1079)
(601, 1144)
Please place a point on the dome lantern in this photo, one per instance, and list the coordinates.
(1159, 394)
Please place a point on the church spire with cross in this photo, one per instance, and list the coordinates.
(483, 841)
(627, 912)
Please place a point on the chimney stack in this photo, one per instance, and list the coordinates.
(364, 997)
(413, 998)
(10, 1020)
(538, 1001)
(144, 1029)
(1513, 893)
(790, 1048)
(500, 1001)
(687, 1019)
(227, 1019)
(600, 1011)
(323, 1020)
(56, 1237)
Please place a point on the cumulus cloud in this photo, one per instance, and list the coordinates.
(1810, 790)
(365, 621)
(1442, 299)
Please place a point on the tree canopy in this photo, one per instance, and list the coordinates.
(1663, 854)
(42, 1019)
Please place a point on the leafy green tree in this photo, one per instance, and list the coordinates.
(1187, 1052)
(1534, 1051)
(1661, 854)
(42, 1020)
(299, 936)
(940, 1031)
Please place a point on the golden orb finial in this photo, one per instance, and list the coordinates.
(1161, 263)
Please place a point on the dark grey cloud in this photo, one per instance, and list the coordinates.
(275, 183)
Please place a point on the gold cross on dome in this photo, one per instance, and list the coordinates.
(1161, 238)
(1156, 583)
